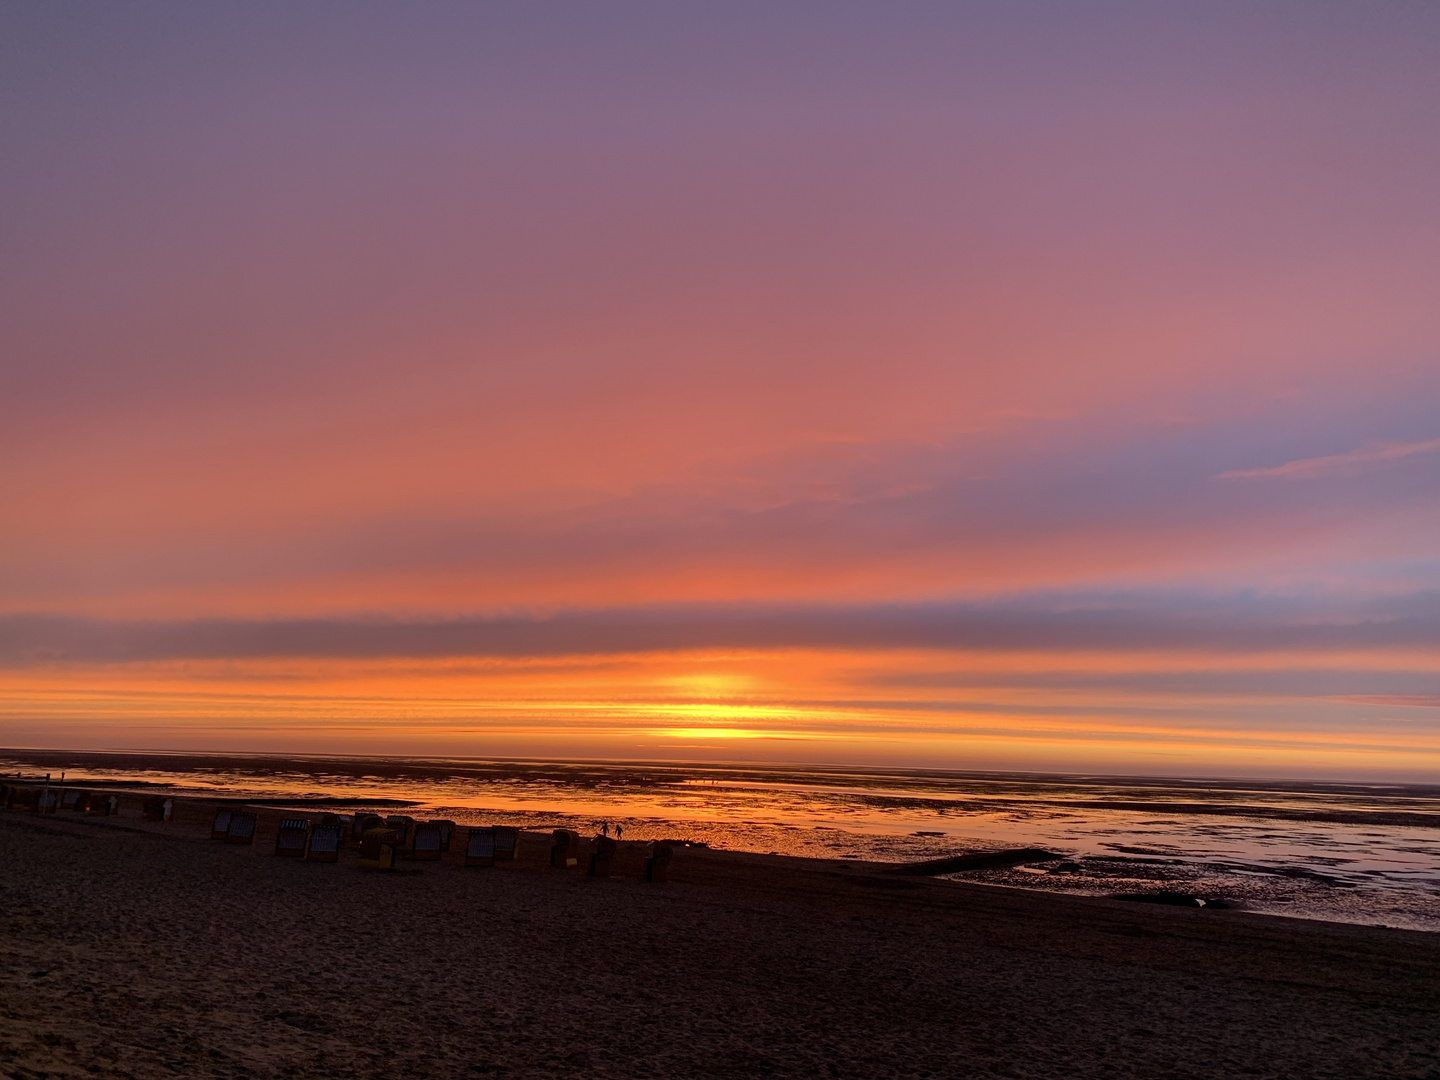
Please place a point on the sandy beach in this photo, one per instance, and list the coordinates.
(143, 949)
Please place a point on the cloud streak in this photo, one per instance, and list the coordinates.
(1404, 701)
(1370, 456)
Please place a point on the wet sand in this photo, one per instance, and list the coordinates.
(139, 949)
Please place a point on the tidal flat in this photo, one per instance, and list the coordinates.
(144, 949)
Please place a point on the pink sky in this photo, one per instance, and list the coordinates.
(840, 348)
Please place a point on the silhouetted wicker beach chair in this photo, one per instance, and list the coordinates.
(241, 830)
(564, 848)
(480, 847)
(448, 832)
(292, 837)
(404, 828)
(101, 805)
(657, 865)
(324, 843)
(378, 849)
(363, 822)
(507, 842)
(427, 842)
(603, 856)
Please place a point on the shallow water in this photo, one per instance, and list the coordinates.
(1365, 853)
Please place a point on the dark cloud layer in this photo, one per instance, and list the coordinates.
(1127, 623)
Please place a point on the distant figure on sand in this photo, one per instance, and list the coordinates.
(619, 831)
(605, 828)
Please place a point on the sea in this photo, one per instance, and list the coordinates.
(1344, 852)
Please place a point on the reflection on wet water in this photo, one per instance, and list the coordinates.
(1352, 852)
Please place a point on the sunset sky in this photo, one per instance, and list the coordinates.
(1024, 385)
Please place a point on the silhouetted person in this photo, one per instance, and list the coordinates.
(619, 831)
(605, 828)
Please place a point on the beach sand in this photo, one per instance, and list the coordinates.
(140, 949)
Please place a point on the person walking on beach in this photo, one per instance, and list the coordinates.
(605, 828)
(619, 831)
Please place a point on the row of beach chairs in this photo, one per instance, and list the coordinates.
(382, 841)
(44, 799)
(385, 841)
